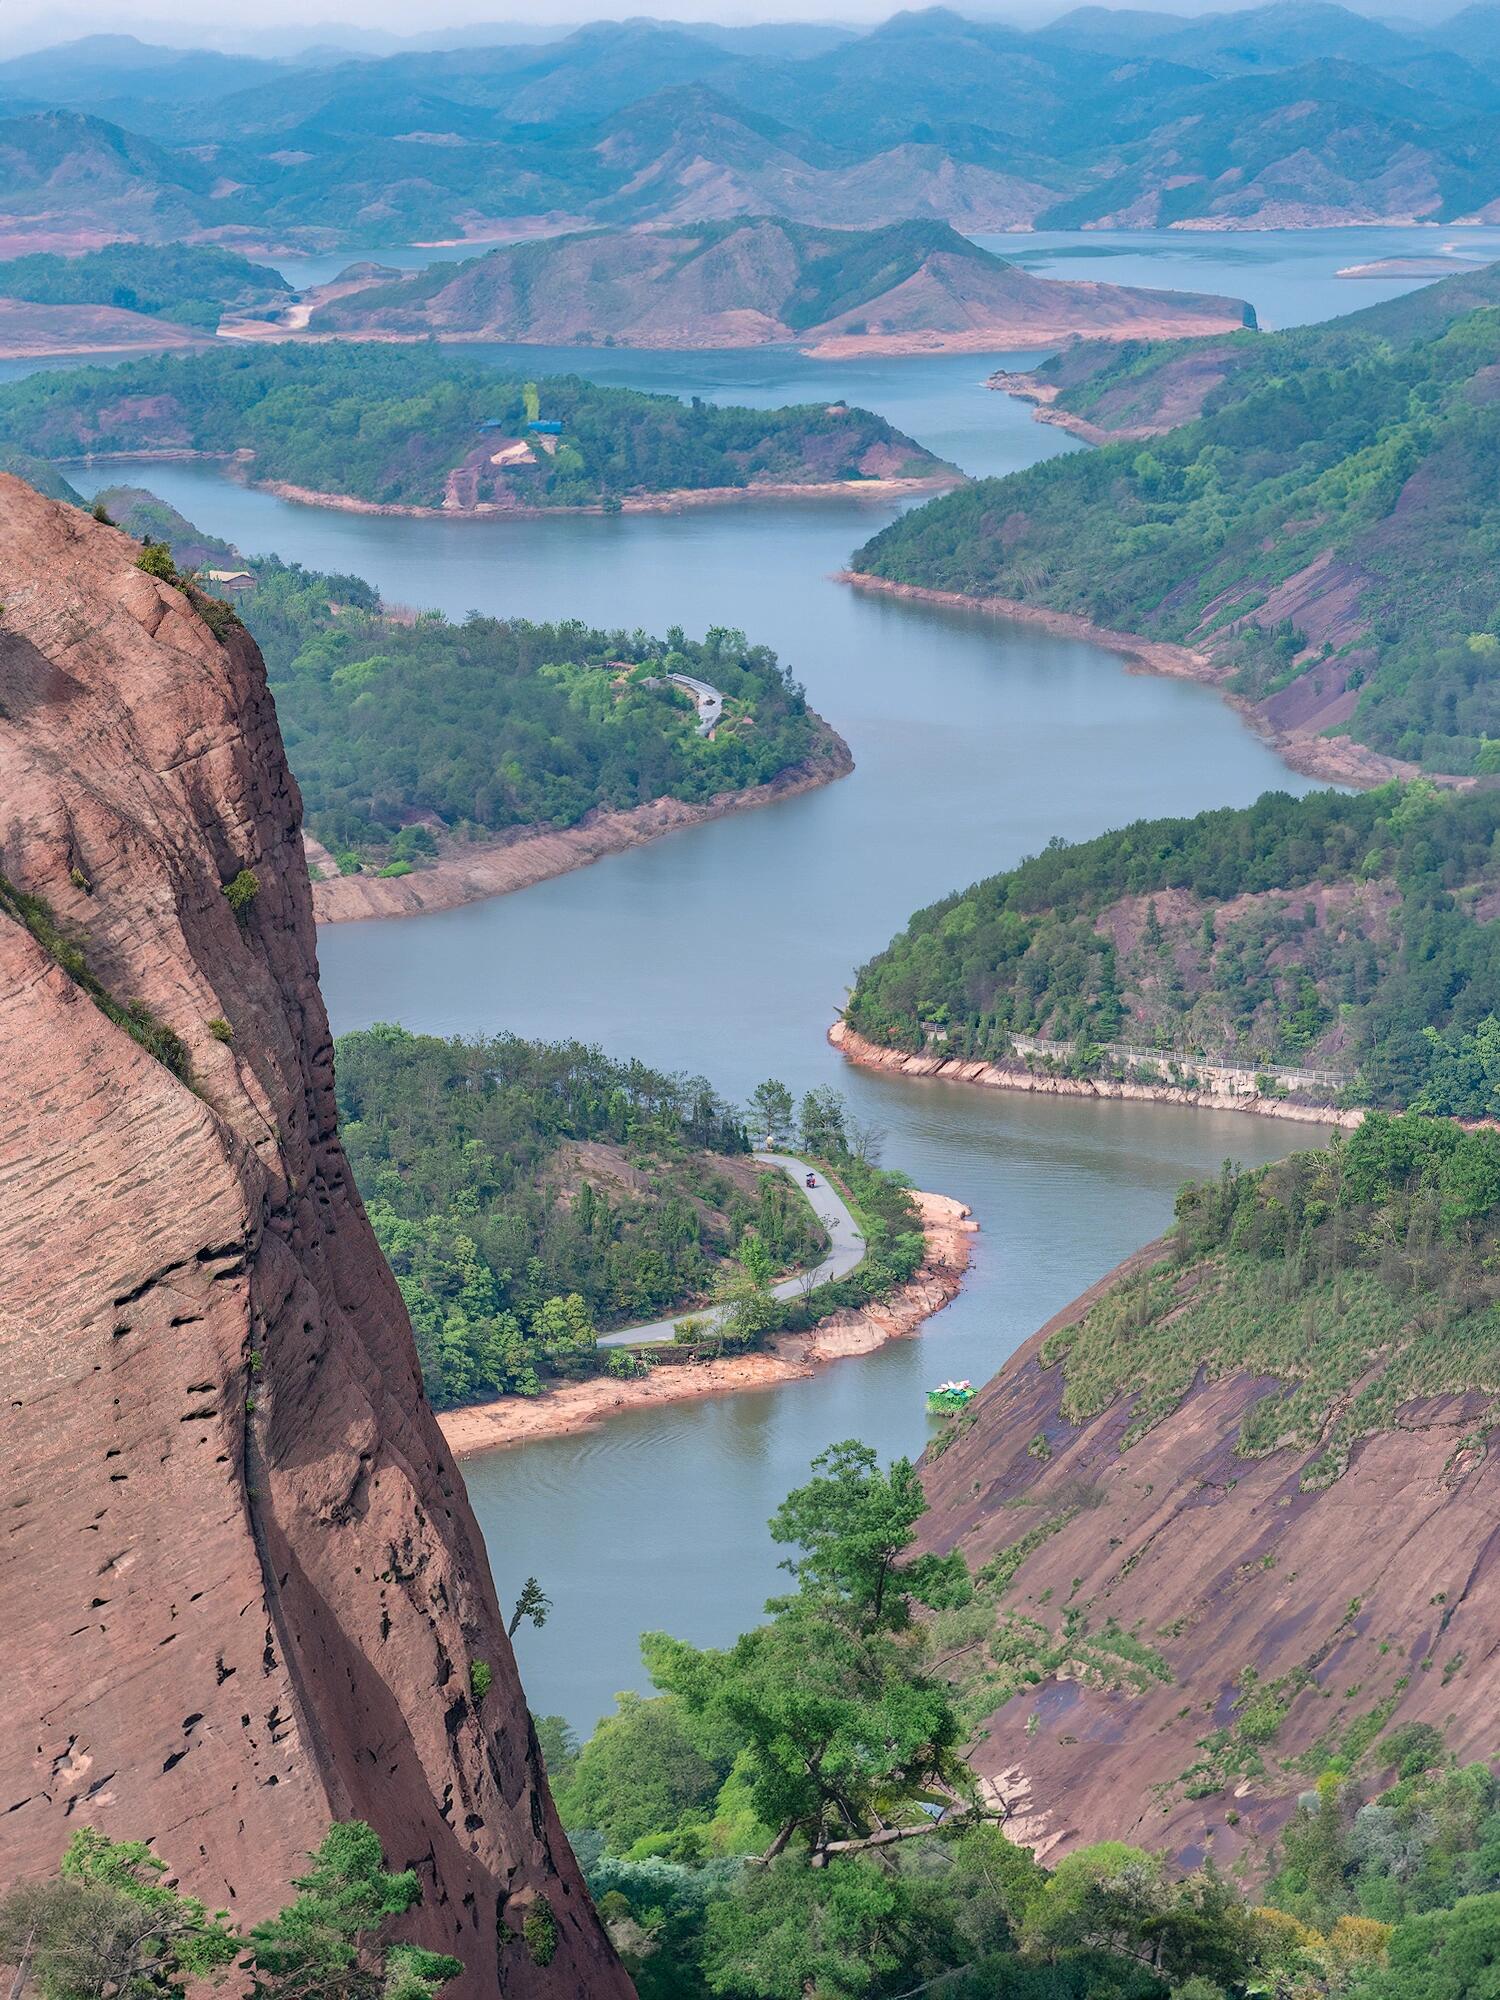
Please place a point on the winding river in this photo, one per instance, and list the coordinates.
(726, 949)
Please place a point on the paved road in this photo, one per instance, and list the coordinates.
(707, 699)
(846, 1246)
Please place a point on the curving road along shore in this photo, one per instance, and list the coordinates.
(579, 1406)
(846, 1246)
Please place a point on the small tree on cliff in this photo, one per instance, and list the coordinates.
(326, 1945)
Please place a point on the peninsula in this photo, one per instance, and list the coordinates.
(443, 762)
(614, 1240)
(912, 288)
(1306, 958)
(1314, 543)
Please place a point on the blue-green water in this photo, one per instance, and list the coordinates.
(726, 949)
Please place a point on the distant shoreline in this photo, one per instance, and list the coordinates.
(997, 339)
(476, 871)
(858, 1049)
(579, 1406)
(673, 501)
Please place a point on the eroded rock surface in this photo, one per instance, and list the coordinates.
(243, 1588)
(1211, 1630)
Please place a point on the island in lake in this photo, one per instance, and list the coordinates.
(912, 288)
(408, 430)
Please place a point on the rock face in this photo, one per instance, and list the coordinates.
(244, 1590)
(1378, 1595)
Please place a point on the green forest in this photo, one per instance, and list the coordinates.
(189, 285)
(1360, 1277)
(407, 730)
(1372, 454)
(402, 730)
(530, 1195)
(1357, 935)
(388, 424)
(793, 1815)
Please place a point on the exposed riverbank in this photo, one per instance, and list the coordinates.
(577, 1406)
(1042, 396)
(674, 501)
(1337, 760)
(475, 870)
(998, 336)
(995, 337)
(856, 1048)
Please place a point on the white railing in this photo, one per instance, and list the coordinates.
(1128, 1053)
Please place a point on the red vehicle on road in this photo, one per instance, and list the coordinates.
(812, 1180)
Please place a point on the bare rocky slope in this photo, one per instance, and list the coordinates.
(1183, 1617)
(245, 1590)
(914, 286)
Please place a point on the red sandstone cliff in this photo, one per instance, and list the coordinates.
(1377, 1594)
(242, 1585)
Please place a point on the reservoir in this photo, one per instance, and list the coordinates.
(726, 950)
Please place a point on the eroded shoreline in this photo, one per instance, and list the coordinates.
(674, 501)
(1338, 760)
(472, 873)
(578, 1406)
(858, 1049)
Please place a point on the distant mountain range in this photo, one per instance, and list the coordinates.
(913, 286)
(1291, 115)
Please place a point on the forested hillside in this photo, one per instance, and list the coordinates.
(1358, 936)
(529, 1195)
(408, 732)
(187, 286)
(799, 1812)
(1142, 388)
(406, 427)
(1221, 1516)
(1325, 533)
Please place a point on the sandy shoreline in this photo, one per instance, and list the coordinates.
(1000, 338)
(495, 868)
(578, 1406)
(855, 1048)
(674, 501)
(1338, 760)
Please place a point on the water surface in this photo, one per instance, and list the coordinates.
(725, 950)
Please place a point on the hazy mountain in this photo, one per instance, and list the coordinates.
(1292, 114)
(65, 175)
(1329, 143)
(916, 286)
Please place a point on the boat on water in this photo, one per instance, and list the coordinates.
(950, 1396)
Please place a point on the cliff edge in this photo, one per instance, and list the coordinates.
(244, 1587)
